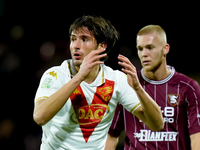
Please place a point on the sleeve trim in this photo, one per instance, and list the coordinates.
(43, 97)
(135, 107)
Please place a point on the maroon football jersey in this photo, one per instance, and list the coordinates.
(178, 97)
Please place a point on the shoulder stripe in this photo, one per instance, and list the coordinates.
(188, 85)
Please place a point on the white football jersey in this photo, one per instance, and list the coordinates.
(84, 120)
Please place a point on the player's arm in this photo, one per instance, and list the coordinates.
(111, 142)
(46, 109)
(149, 112)
(194, 138)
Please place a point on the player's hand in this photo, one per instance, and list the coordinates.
(131, 72)
(91, 60)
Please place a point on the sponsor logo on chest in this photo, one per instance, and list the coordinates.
(148, 135)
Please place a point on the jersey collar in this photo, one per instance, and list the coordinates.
(172, 71)
(71, 67)
(100, 79)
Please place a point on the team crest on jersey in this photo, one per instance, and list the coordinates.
(173, 99)
(105, 92)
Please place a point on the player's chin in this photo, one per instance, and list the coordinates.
(77, 62)
(147, 68)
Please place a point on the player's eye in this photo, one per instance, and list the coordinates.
(150, 47)
(85, 39)
(72, 39)
(139, 48)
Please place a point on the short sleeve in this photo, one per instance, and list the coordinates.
(128, 98)
(49, 84)
(193, 107)
(117, 125)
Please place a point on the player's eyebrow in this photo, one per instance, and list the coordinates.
(85, 36)
(81, 36)
(138, 46)
(148, 45)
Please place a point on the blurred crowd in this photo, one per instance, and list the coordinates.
(20, 72)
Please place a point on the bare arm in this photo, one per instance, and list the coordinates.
(46, 109)
(195, 144)
(149, 112)
(111, 142)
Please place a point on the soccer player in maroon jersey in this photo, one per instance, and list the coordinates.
(177, 95)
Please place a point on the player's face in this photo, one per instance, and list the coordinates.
(150, 51)
(82, 42)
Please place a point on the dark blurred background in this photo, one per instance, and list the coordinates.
(34, 37)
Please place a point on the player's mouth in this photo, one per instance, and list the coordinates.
(146, 62)
(77, 55)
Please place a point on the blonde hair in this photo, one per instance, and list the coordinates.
(154, 29)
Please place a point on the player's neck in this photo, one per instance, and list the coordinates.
(158, 74)
(92, 75)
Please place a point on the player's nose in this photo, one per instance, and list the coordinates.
(145, 52)
(77, 44)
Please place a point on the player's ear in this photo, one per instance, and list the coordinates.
(166, 49)
(103, 45)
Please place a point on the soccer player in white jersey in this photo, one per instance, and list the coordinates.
(176, 94)
(75, 102)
